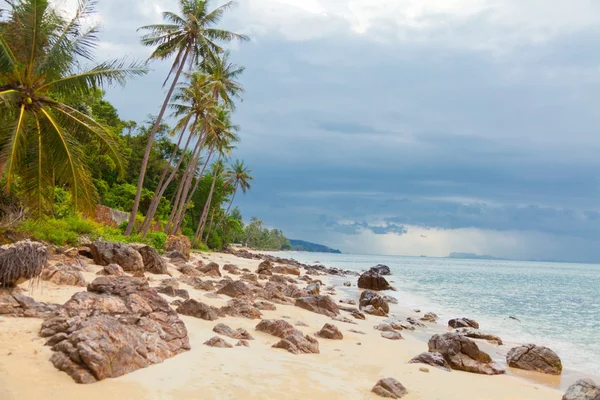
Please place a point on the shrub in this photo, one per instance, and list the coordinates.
(158, 239)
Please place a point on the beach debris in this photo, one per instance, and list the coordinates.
(369, 298)
(372, 280)
(381, 269)
(358, 332)
(153, 262)
(477, 334)
(530, 357)
(117, 253)
(391, 335)
(330, 331)
(514, 318)
(218, 342)
(319, 304)
(433, 359)
(98, 334)
(181, 244)
(430, 317)
(211, 269)
(583, 389)
(463, 354)
(194, 308)
(225, 330)
(463, 323)
(389, 388)
(235, 289)
(64, 274)
(21, 261)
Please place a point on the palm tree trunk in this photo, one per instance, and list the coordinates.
(140, 186)
(210, 225)
(228, 207)
(176, 202)
(202, 221)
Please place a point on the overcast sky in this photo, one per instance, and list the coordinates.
(416, 127)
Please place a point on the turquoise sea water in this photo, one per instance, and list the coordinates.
(558, 305)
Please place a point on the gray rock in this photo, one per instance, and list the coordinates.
(583, 389)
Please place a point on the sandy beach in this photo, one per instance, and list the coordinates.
(344, 369)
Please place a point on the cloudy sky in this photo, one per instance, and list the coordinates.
(415, 127)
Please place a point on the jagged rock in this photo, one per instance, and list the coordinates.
(358, 315)
(111, 270)
(62, 274)
(390, 299)
(463, 323)
(463, 354)
(232, 269)
(287, 270)
(391, 335)
(277, 327)
(319, 304)
(197, 283)
(210, 269)
(294, 291)
(265, 268)
(172, 292)
(194, 308)
(477, 334)
(17, 305)
(299, 344)
(21, 261)
(188, 270)
(176, 303)
(180, 244)
(378, 312)
(118, 326)
(244, 343)
(381, 269)
(172, 282)
(369, 298)
(235, 289)
(313, 289)
(218, 342)
(153, 262)
(373, 281)
(225, 330)
(330, 331)
(430, 317)
(249, 278)
(273, 293)
(534, 358)
(266, 306)
(583, 389)
(390, 388)
(433, 359)
(127, 257)
(241, 308)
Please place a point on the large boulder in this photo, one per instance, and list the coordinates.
(462, 354)
(210, 269)
(534, 358)
(330, 331)
(463, 323)
(153, 262)
(194, 308)
(21, 261)
(389, 388)
(369, 298)
(235, 289)
(127, 257)
(118, 326)
(373, 281)
(180, 244)
(63, 274)
(433, 359)
(583, 389)
(319, 304)
(381, 269)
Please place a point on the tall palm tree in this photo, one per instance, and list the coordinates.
(223, 77)
(238, 176)
(192, 38)
(217, 171)
(42, 133)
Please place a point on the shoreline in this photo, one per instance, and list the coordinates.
(343, 369)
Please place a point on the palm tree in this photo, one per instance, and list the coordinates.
(223, 77)
(191, 38)
(217, 171)
(238, 176)
(42, 133)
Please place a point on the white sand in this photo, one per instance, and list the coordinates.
(343, 370)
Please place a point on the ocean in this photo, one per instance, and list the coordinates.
(557, 304)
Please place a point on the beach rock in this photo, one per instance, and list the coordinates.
(62, 274)
(357, 332)
(218, 342)
(197, 283)
(378, 312)
(172, 282)
(194, 308)
(348, 301)
(390, 299)
(299, 344)
(369, 298)
(373, 281)
(583, 389)
(430, 317)
(433, 359)
(300, 323)
(265, 268)
(313, 289)
(384, 327)
(344, 319)
(414, 322)
(348, 284)
(282, 279)
(391, 335)
(319, 304)
(225, 330)
(189, 270)
(180, 244)
(463, 354)
(172, 292)
(389, 388)
(232, 269)
(277, 327)
(381, 269)
(358, 315)
(17, 305)
(294, 291)
(235, 289)
(112, 270)
(249, 278)
(264, 305)
(477, 334)
(153, 262)
(244, 343)
(530, 357)
(210, 269)
(241, 308)
(118, 326)
(176, 258)
(127, 257)
(273, 293)
(330, 331)
(287, 270)
(463, 323)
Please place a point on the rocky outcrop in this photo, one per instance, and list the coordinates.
(21, 261)
(381, 269)
(180, 244)
(462, 354)
(118, 326)
(225, 330)
(298, 344)
(264, 305)
(373, 281)
(463, 323)
(534, 358)
(242, 308)
(389, 388)
(127, 257)
(218, 342)
(279, 328)
(111, 270)
(330, 331)
(287, 270)
(265, 268)
(369, 298)
(197, 283)
(477, 334)
(235, 289)
(319, 304)
(430, 317)
(433, 359)
(153, 262)
(176, 258)
(171, 291)
(249, 277)
(17, 305)
(194, 308)
(583, 389)
(63, 274)
(210, 269)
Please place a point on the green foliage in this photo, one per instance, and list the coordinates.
(158, 239)
(58, 231)
(261, 238)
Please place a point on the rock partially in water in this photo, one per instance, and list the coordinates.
(381, 269)
(583, 389)
(373, 281)
(477, 334)
(369, 298)
(530, 357)
(463, 323)
(430, 317)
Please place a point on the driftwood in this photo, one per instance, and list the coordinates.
(21, 261)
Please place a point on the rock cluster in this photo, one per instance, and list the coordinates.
(462, 354)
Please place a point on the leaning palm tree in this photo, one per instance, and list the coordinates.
(42, 133)
(217, 171)
(238, 177)
(223, 77)
(192, 38)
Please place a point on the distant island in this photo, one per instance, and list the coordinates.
(301, 245)
(471, 256)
